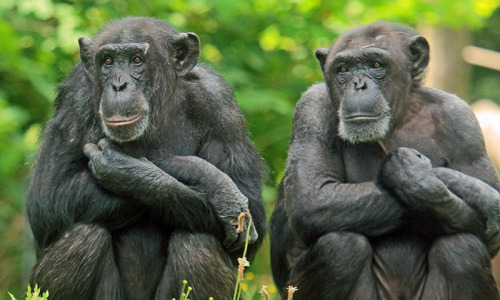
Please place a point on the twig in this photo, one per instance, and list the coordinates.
(379, 142)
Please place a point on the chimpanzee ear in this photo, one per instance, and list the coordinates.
(186, 52)
(86, 54)
(321, 55)
(419, 49)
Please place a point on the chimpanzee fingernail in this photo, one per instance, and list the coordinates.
(90, 149)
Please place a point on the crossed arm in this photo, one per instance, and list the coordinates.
(318, 200)
(186, 188)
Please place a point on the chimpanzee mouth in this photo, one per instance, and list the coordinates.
(120, 121)
(362, 118)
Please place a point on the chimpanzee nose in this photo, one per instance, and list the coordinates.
(359, 83)
(119, 85)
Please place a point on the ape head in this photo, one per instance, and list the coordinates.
(371, 71)
(135, 64)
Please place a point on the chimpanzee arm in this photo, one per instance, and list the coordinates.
(317, 200)
(462, 197)
(226, 143)
(185, 188)
(64, 192)
(219, 190)
(446, 200)
(410, 176)
(479, 196)
(472, 177)
(139, 179)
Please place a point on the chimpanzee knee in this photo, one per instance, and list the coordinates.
(350, 245)
(460, 255)
(207, 267)
(84, 247)
(460, 268)
(335, 265)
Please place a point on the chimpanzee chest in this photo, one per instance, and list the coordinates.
(362, 161)
(179, 137)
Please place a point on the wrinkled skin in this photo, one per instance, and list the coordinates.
(388, 191)
(142, 173)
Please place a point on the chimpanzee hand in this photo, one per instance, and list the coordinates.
(227, 211)
(236, 240)
(118, 172)
(409, 174)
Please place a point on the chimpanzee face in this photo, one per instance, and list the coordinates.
(128, 74)
(370, 74)
(124, 108)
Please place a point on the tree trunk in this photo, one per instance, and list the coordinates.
(447, 70)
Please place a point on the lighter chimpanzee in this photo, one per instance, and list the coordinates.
(354, 222)
(142, 173)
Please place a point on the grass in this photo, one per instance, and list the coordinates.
(33, 295)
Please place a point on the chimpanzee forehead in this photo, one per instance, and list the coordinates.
(123, 48)
(372, 52)
(382, 40)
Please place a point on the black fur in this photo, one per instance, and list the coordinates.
(355, 223)
(131, 219)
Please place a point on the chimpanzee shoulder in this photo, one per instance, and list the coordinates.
(315, 109)
(455, 121)
(314, 99)
(210, 100)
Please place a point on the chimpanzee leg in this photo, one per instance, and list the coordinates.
(109, 285)
(73, 266)
(338, 266)
(201, 260)
(459, 268)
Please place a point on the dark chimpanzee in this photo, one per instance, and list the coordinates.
(353, 222)
(142, 173)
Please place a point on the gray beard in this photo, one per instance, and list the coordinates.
(369, 131)
(364, 132)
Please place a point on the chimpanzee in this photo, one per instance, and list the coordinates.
(142, 173)
(388, 191)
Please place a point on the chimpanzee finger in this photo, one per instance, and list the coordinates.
(492, 230)
(241, 239)
(145, 160)
(493, 242)
(231, 236)
(91, 150)
(253, 236)
(240, 242)
(92, 167)
(106, 144)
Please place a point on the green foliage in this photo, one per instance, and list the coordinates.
(35, 295)
(264, 49)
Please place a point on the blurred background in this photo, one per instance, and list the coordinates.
(263, 48)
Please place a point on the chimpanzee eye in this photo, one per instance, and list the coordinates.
(136, 60)
(376, 65)
(108, 61)
(343, 69)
